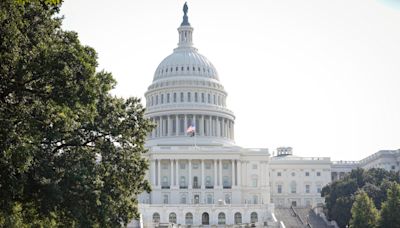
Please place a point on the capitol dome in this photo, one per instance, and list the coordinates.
(186, 94)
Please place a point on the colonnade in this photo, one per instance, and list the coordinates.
(221, 170)
(206, 125)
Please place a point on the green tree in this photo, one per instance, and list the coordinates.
(71, 154)
(363, 212)
(390, 212)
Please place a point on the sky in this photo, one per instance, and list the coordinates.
(320, 76)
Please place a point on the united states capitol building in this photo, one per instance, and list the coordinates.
(207, 180)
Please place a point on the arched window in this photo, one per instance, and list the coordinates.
(156, 218)
(172, 217)
(205, 219)
(221, 218)
(189, 218)
(238, 218)
(253, 217)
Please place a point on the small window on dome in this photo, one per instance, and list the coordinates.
(194, 68)
(172, 69)
(176, 68)
(202, 97)
(198, 68)
(182, 97)
(187, 68)
(182, 68)
(195, 97)
(162, 71)
(208, 70)
(166, 70)
(174, 97)
(204, 70)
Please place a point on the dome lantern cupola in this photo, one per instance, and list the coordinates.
(185, 30)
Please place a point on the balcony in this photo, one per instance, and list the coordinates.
(183, 187)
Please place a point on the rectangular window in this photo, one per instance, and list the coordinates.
(188, 97)
(319, 189)
(279, 188)
(202, 97)
(208, 165)
(254, 166)
(196, 99)
(182, 166)
(279, 174)
(156, 99)
(318, 174)
(209, 98)
(225, 165)
(167, 97)
(182, 98)
(162, 98)
(307, 188)
(307, 174)
(174, 97)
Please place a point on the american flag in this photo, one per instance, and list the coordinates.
(191, 130)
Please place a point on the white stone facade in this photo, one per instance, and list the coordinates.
(207, 180)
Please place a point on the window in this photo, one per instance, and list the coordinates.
(164, 181)
(208, 181)
(221, 218)
(253, 217)
(174, 97)
(152, 101)
(254, 181)
(279, 190)
(183, 199)
(208, 165)
(195, 165)
(238, 218)
(307, 188)
(183, 181)
(215, 101)
(293, 174)
(176, 68)
(254, 166)
(196, 199)
(225, 165)
(279, 174)
(202, 97)
(209, 199)
(208, 98)
(168, 97)
(188, 97)
(196, 182)
(189, 218)
(182, 166)
(318, 188)
(172, 217)
(156, 218)
(205, 219)
(255, 199)
(165, 199)
(307, 174)
(196, 99)
(227, 199)
(162, 98)
(225, 181)
(182, 68)
(164, 166)
(318, 174)
(293, 187)
(182, 98)
(156, 99)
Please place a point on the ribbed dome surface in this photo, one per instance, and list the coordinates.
(185, 62)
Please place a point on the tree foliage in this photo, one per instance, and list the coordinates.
(70, 152)
(363, 212)
(340, 195)
(390, 212)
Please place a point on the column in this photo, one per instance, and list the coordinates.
(169, 123)
(202, 175)
(190, 173)
(177, 178)
(185, 125)
(223, 128)
(239, 172)
(233, 172)
(215, 174)
(210, 129)
(171, 182)
(201, 125)
(220, 173)
(158, 172)
(153, 172)
(176, 125)
(161, 126)
(217, 123)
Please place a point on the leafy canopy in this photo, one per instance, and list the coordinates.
(71, 154)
